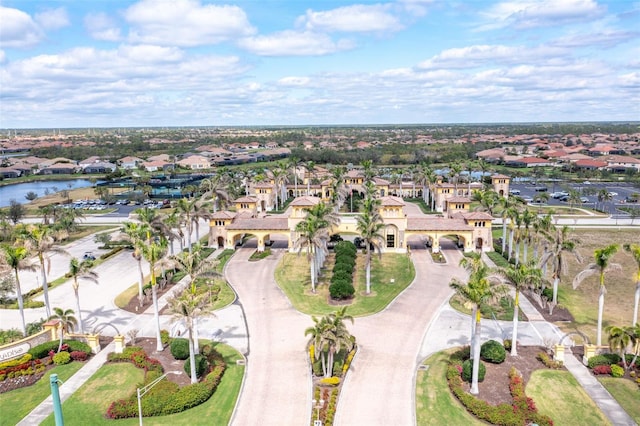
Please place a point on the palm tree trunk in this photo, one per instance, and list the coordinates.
(61, 328)
(518, 252)
(192, 359)
(196, 336)
(504, 234)
(526, 252)
(45, 288)
(476, 355)
(330, 363)
(20, 305)
(156, 317)
(556, 281)
(514, 334)
(511, 237)
(368, 269)
(313, 273)
(324, 364)
(636, 299)
(600, 312)
(75, 291)
(473, 326)
(141, 282)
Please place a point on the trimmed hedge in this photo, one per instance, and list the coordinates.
(62, 358)
(467, 370)
(42, 351)
(346, 267)
(180, 348)
(340, 290)
(202, 365)
(603, 359)
(493, 352)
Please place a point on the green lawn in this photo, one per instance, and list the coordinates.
(626, 393)
(435, 404)
(88, 405)
(16, 404)
(558, 395)
(292, 275)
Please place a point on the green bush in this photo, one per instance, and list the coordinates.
(338, 267)
(617, 371)
(43, 350)
(331, 381)
(340, 290)
(341, 276)
(180, 348)
(493, 352)
(603, 359)
(548, 293)
(467, 370)
(345, 247)
(164, 337)
(202, 365)
(345, 258)
(507, 344)
(62, 358)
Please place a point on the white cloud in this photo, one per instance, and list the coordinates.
(185, 23)
(482, 55)
(356, 18)
(17, 29)
(600, 39)
(101, 27)
(294, 81)
(416, 7)
(532, 13)
(294, 43)
(53, 19)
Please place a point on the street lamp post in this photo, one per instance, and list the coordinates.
(317, 405)
(143, 390)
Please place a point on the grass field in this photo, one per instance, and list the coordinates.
(626, 393)
(435, 404)
(88, 405)
(558, 395)
(18, 403)
(292, 275)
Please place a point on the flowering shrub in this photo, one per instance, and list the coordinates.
(79, 356)
(603, 359)
(331, 381)
(43, 350)
(602, 369)
(522, 411)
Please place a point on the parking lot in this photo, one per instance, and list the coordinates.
(621, 193)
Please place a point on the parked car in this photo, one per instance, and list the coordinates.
(514, 191)
(559, 194)
(88, 256)
(584, 200)
(612, 194)
(541, 189)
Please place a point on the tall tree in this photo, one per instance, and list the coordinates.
(524, 275)
(562, 243)
(81, 271)
(153, 251)
(476, 291)
(328, 336)
(39, 240)
(136, 233)
(601, 266)
(66, 322)
(370, 225)
(17, 258)
(634, 249)
(215, 188)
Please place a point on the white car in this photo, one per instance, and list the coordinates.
(514, 191)
(613, 194)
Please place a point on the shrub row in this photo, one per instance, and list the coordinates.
(43, 350)
(167, 397)
(342, 280)
(503, 414)
(548, 361)
(603, 359)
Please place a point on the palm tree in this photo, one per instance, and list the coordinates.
(66, 322)
(153, 251)
(187, 307)
(527, 219)
(507, 204)
(187, 209)
(472, 264)
(310, 168)
(17, 258)
(314, 233)
(561, 243)
(137, 234)
(40, 241)
(619, 339)
(81, 271)
(338, 188)
(369, 225)
(574, 198)
(476, 291)
(215, 187)
(487, 200)
(601, 266)
(328, 336)
(519, 276)
(634, 249)
(294, 163)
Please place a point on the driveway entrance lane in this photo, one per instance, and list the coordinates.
(276, 390)
(379, 389)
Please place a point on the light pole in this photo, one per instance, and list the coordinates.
(317, 405)
(143, 390)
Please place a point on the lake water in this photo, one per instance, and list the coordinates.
(19, 190)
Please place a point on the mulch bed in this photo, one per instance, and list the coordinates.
(560, 314)
(495, 387)
(167, 361)
(134, 306)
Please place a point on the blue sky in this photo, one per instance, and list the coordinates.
(78, 63)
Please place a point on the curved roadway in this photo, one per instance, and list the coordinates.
(379, 389)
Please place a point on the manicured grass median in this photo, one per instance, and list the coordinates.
(88, 405)
(292, 275)
(626, 393)
(435, 404)
(16, 404)
(558, 395)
